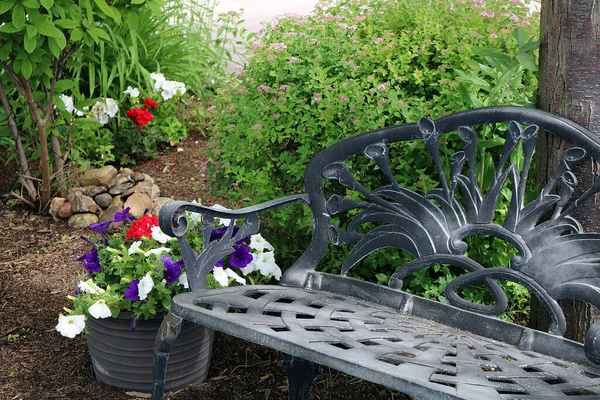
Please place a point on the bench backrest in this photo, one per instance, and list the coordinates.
(555, 260)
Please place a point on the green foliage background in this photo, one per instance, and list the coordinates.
(354, 66)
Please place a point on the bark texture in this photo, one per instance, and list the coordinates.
(569, 85)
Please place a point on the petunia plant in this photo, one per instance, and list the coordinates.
(132, 266)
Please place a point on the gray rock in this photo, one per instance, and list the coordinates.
(148, 188)
(94, 191)
(138, 202)
(84, 204)
(82, 220)
(55, 205)
(120, 179)
(128, 192)
(98, 176)
(103, 200)
(159, 202)
(74, 192)
(120, 188)
(139, 176)
(65, 211)
(117, 201)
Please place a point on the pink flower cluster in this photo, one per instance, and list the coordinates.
(378, 40)
(278, 46)
(262, 88)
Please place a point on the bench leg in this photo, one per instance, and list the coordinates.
(301, 376)
(169, 329)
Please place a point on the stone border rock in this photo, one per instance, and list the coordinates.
(102, 192)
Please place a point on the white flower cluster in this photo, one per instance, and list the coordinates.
(72, 325)
(168, 89)
(101, 111)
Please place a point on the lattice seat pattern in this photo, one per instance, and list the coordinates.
(390, 348)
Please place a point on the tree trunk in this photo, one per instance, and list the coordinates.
(40, 124)
(569, 85)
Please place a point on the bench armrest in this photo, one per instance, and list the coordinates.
(173, 220)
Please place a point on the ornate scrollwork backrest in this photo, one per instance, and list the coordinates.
(555, 259)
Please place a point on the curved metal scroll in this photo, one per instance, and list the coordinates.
(555, 258)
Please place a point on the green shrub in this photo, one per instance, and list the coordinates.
(360, 65)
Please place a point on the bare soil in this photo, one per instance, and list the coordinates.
(37, 272)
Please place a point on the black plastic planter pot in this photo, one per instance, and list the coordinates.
(124, 358)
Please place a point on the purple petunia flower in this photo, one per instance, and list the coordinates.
(240, 257)
(220, 264)
(133, 324)
(172, 269)
(217, 234)
(132, 292)
(101, 227)
(123, 216)
(91, 262)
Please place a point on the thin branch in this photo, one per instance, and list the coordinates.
(20, 150)
(23, 199)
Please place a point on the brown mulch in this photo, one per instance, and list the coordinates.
(37, 272)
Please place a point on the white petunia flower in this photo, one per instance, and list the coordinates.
(99, 310)
(133, 92)
(224, 222)
(70, 325)
(145, 286)
(265, 263)
(134, 247)
(221, 276)
(235, 276)
(184, 280)
(157, 251)
(112, 107)
(258, 243)
(159, 236)
(89, 287)
(180, 88)
(68, 100)
(159, 79)
(169, 89)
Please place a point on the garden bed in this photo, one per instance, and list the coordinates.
(37, 273)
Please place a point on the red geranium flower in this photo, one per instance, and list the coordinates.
(139, 116)
(150, 103)
(142, 227)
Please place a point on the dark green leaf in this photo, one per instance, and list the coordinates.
(99, 33)
(76, 34)
(30, 3)
(10, 28)
(6, 5)
(521, 36)
(18, 16)
(47, 28)
(54, 47)
(64, 84)
(66, 23)
(29, 44)
(31, 31)
(5, 50)
(47, 4)
(105, 8)
(527, 61)
(26, 69)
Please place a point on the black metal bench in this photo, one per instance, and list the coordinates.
(382, 334)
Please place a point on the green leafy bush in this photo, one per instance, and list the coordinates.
(354, 66)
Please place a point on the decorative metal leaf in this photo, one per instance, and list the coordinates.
(380, 238)
(573, 253)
